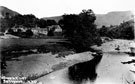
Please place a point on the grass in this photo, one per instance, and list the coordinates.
(9, 44)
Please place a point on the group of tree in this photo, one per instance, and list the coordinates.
(44, 23)
(123, 31)
(27, 34)
(80, 30)
(27, 21)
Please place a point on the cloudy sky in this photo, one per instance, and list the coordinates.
(47, 8)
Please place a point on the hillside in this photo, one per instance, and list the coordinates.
(111, 18)
(5, 11)
(56, 18)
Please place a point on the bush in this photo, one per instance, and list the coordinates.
(29, 33)
(123, 31)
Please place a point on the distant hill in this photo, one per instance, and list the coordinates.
(5, 11)
(56, 18)
(111, 18)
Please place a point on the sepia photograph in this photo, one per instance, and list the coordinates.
(67, 42)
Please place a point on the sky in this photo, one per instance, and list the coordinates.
(48, 8)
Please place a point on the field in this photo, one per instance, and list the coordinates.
(11, 44)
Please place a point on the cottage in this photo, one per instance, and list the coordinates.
(57, 30)
(40, 31)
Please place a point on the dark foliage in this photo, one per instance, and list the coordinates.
(124, 31)
(29, 33)
(10, 31)
(23, 20)
(80, 30)
(84, 71)
(51, 22)
(30, 21)
(42, 23)
(103, 31)
(16, 21)
(5, 23)
(51, 32)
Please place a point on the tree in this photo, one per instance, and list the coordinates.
(80, 30)
(3, 24)
(17, 20)
(123, 31)
(51, 32)
(29, 33)
(103, 31)
(42, 23)
(51, 22)
(30, 21)
(10, 31)
(127, 30)
(27, 21)
(69, 24)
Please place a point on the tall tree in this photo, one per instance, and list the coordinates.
(80, 29)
